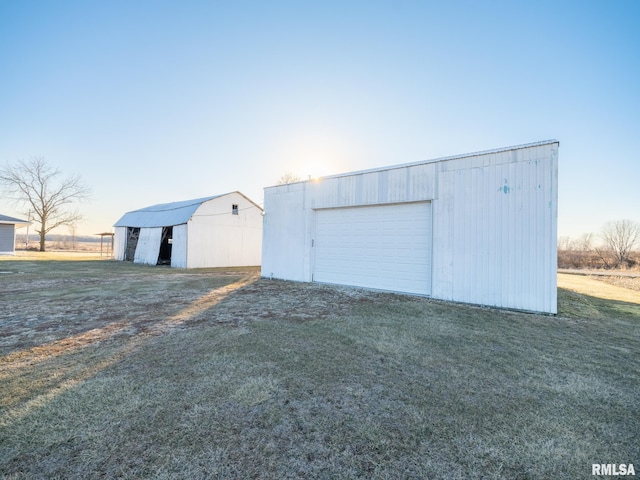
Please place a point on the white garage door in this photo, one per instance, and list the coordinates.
(384, 246)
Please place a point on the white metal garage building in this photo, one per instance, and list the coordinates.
(478, 228)
(218, 231)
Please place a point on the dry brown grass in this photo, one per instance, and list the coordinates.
(113, 370)
(55, 255)
(631, 283)
(602, 287)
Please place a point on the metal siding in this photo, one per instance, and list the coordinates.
(397, 186)
(179, 247)
(7, 238)
(503, 236)
(443, 235)
(551, 234)
(491, 245)
(369, 188)
(148, 247)
(285, 229)
(513, 235)
(487, 158)
(218, 238)
(346, 191)
(119, 243)
(386, 247)
(412, 184)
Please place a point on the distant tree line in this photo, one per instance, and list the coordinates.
(616, 246)
(57, 240)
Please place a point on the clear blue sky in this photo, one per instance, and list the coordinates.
(155, 101)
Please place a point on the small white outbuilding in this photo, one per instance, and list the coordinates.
(217, 231)
(8, 227)
(478, 228)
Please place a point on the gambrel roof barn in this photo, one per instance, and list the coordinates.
(217, 231)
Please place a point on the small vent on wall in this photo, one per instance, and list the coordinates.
(234, 209)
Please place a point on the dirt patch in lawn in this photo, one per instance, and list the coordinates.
(45, 314)
(48, 306)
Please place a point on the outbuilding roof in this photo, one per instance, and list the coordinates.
(163, 215)
(5, 219)
(434, 160)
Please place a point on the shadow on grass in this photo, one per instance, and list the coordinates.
(31, 377)
(338, 383)
(572, 304)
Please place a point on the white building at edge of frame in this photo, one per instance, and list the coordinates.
(8, 226)
(479, 228)
(217, 231)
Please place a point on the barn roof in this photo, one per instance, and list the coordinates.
(164, 214)
(5, 219)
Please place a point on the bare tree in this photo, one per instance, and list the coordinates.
(620, 237)
(585, 242)
(288, 178)
(37, 184)
(565, 243)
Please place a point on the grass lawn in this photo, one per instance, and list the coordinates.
(114, 370)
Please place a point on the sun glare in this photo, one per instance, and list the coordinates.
(314, 170)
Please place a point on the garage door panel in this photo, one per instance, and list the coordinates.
(383, 246)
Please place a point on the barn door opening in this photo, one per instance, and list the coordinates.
(133, 234)
(164, 258)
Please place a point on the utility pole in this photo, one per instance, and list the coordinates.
(26, 242)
